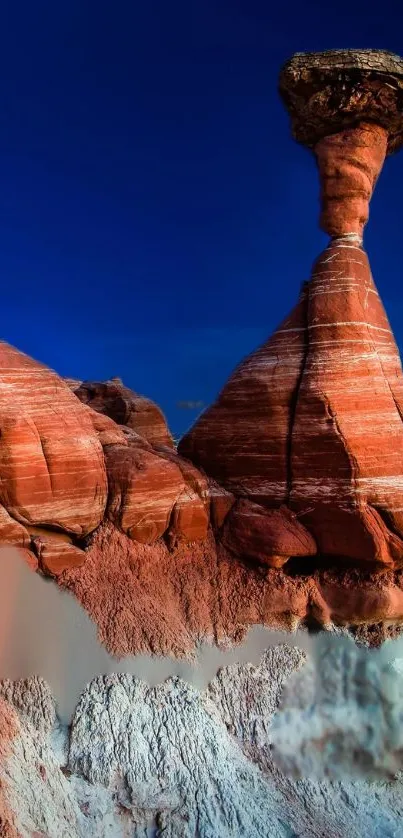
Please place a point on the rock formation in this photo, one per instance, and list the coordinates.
(311, 423)
(113, 399)
(283, 505)
(285, 500)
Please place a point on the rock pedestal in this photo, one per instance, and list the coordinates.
(312, 421)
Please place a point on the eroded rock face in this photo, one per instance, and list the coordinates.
(269, 535)
(177, 761)
(60, 455)
(8, 731)
(51, 463)
(330, 447)
(349, 164)
(143, 491)
(126, 408)
(300, 458)
(312, 421)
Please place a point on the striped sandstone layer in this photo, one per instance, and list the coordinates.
(325, 441)
(346, 463)
(65, 467)
(51, 462)
(285, 500)
(125, 407)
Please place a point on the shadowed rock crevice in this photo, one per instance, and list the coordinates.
(294, 398)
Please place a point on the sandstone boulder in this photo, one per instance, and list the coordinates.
(51, 462)
(221, 503)
(143, 491)
(11, 531)
(55, 551)
(271, 536)
(125, 407)
(355, 599)
(153, 492)
(191, 513)
(108, 432)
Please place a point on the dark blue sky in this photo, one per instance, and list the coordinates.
(156, 218)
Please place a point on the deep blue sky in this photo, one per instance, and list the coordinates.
(156, 218)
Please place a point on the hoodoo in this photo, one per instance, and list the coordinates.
(284, 503)
(311, 423)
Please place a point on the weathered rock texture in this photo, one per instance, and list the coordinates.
(125, 407)
(311, 422)
(288, 488)
(8, 731)
(326, 92)
(178, 762)
(147, 598)
(349, 165)
(326, 438)
(68, 463)
(51, 463)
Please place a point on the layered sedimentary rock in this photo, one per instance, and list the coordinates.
(269, 535)
(66, 465)
(127, 408)
(282, 507)
(51, 463)
(290, 484)
(326, 438)
(331, 447)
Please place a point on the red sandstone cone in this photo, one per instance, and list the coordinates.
(347, 435)
(332, 431)
(243, 440)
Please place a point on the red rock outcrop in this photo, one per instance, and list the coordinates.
(51, 463)
(143, 491)
(151, 494)
(58, 456)
(300, 458)
(269, 535)
(221, 503)
(327, 435)
(354, 599)
(54, 551)
(11, 531)
(127, 408)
